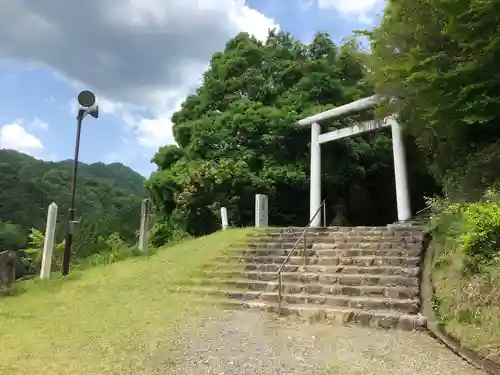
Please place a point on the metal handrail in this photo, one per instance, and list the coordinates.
(423, 210)
(303, 234)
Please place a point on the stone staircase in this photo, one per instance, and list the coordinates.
(364, 275)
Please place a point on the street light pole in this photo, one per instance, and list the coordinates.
(86, 99)
(71, 219)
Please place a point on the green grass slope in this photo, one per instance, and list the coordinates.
(115, 319)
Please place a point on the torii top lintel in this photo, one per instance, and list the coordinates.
(356, 106)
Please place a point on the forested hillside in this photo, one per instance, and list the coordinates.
(107, 200)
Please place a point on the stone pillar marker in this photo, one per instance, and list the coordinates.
(261, 211)
(143, 231)
(8, 260)
(223, 216)
(48, 245)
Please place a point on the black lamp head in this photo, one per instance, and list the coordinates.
(86, 98)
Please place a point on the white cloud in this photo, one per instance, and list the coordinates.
(361, 9)
(156, 132)
(136, 55)
(39, 124)
(14, 136)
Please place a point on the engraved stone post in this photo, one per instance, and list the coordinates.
(8, 261)
(223, 215)
(143, 232)
(48, 245)
(261, 211)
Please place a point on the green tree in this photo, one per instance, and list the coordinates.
(439, 59)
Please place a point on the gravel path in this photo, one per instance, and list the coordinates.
(254, 343)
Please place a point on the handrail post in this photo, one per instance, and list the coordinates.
(305, 248)
(324, 215)
(280, 295)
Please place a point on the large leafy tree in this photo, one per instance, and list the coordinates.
(236, 138)
(439, 58)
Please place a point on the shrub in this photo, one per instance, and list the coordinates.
(11, 237)
(116, 250)
(164, 232)
(474, 226)
(481, 239)
(34, 253)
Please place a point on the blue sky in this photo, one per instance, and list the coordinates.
(141, 58)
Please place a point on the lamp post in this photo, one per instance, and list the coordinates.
(86, 99)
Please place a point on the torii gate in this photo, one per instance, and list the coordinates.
(400, 172)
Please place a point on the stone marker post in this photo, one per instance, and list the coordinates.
(48, 245)
(261, 211)
(143, 231)
(223, 215)
(8, 260)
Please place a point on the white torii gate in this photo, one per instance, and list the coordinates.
(400, 173)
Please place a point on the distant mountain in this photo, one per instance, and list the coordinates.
(29, 185)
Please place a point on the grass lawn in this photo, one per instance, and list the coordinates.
(115, 319)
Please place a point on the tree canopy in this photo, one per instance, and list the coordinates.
(236, 137)
(439, 58)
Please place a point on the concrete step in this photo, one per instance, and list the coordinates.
(326, 245)
(298, 288)
(331, 253)
(371, 237)
(321, 231)
(295, 287)
(393, 229)
(332, 269)
(364, 245)
(410, 306)
(381, 319)
(363, 275)
(285, 241)
(319, 278)
(384, 319)
(361, 261)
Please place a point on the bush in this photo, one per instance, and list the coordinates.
(481, 239)
(31, 258)
(108, 250)
(164, 232)
(474, 226)
(12, 237)
(115, 249)
(111, 256)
